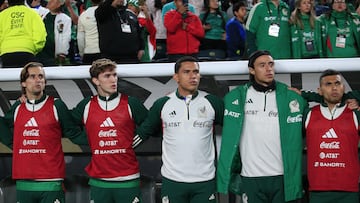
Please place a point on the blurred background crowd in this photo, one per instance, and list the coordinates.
(76, 32)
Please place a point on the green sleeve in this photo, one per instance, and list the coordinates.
(152, 124)
(295, 42)
(78, 112)
(9, 116)
(251, 42)
(318, 38)
(69, 128)
(138, 110)
(5, 134)
(218, 105)
(355, 94)
(311, 96)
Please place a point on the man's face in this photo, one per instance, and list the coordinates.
(332, 89)
(188, 78)
(263, 70)
(52, 5)
(35, 84)
(106, 82)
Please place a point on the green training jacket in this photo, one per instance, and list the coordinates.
(290, 111)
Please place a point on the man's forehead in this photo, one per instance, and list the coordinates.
(36, 70)
(331, 78)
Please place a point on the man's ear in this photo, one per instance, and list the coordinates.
(319, 91)
(251, 71)
(95, 81)
(176, 77)
(23, 84)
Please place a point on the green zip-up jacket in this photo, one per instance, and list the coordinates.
(306, 43)
(340, 23)
(290, 112)
(261, 17)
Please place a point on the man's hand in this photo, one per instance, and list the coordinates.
(353, 104)
(295, 90)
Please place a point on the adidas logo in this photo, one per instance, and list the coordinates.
(235, 102)
(249, 101)
(136, 200)
(330, 134)
(31, 123)
(212, 197)
(172, 114)
(107, 123)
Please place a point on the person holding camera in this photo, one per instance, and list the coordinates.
(120, 35)
(184, 31)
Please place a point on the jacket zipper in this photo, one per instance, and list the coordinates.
(187, 102)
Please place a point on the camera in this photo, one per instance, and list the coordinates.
(185, 2)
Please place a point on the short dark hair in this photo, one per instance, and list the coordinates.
(255, 55)
(184, 59)
(252, 59)
(101, 65)
(24, 74)
(238, 5)
(328, 72)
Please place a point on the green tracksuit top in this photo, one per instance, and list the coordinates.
(305, 42)
(262, 17)
(290, 111)
(338, 24)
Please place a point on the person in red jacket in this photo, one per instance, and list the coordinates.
(184, 31)
(332, 136)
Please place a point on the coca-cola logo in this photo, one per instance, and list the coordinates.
(330, 145)
(295, 119)
(273, 114)
(203, 124)
(108, 133)
(31, 133)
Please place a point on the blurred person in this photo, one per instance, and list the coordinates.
(22, 34)
(236, 33)
(110, 119)
(262, 164)
(149, 30)
(268, 28)
(58, 27)
(213, 21)
(332, 137)
(87, 34)
(305, 37)
(120, 35)
(184, 32)
(3, 5)
(71, 9)
(186, 120)
(155, 8)
(38, 125)
(36, 5)
(199, 6)
(339, 30)
(172, 6)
